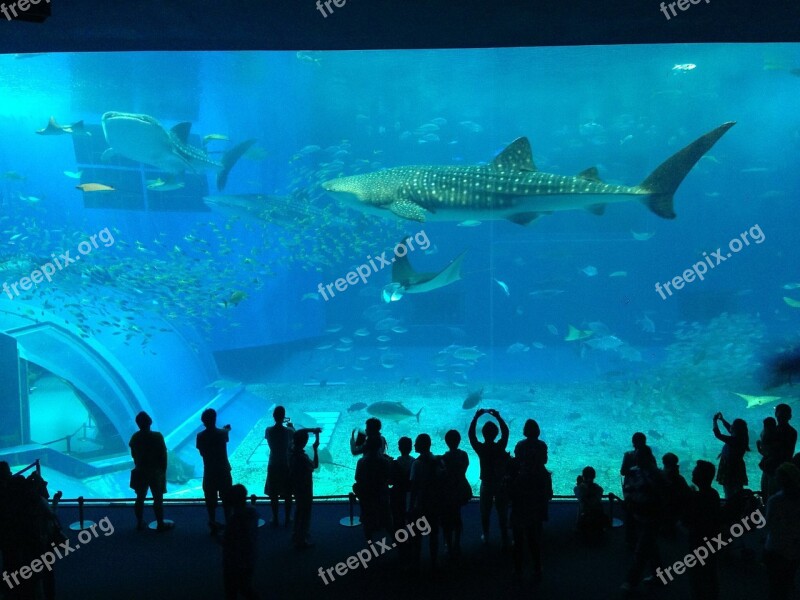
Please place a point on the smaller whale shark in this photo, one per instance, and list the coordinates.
(405, 280)
(143, 139)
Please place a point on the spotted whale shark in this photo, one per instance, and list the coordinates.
(510, 187)
(143, 139)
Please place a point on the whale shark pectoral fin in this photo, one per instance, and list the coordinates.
(596, 209)
(517, 156)
(524, 218)
(408, 209)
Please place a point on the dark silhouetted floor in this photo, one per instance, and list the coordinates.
(186, 563)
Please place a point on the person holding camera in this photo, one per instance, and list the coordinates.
(279, 437)
(732, 472)
(212, 445)
(494, 461)
(301, 469)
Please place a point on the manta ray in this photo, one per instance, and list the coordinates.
(405, 280)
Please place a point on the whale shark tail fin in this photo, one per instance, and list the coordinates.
(229, 159)
(662, 183)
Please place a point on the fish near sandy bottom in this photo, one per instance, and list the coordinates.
(393, 411)
(510, 187)
(473, 399)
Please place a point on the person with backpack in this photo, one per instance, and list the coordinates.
(427, 490)
(644, 500)
(531, 492)
(494, 461)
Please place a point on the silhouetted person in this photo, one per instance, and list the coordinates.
(301, 469)
(732, 472)
(638, 440)
(5, 508)
(702, 517)
(239, 546)
(372, 488)
(785, 441)
(644, 499)
(425, 500)
(531, 492)
(767, 448)
(675, 492)
(213, 447)
(400, 479)
(457, 491)
(592, 518)
(372, 429)
(782, 548)
(494, 461)
(149, 452)
(278, 485)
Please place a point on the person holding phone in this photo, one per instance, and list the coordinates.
(212, 443)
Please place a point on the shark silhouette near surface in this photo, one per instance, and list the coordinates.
(510, 187)
(143, 139)
(405, 280)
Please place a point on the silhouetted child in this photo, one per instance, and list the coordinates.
(427, 477)
(675, 491)
(212, 443)
(767, 448)
(279, 438)
(494, 460)
(457, 491)
(592, 518)
(400, 479)
(239, 546)
(703, 520)
(301, 468)
(149, 453)
(372, 429)
(372, 488)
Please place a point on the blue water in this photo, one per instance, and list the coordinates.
(237, 298)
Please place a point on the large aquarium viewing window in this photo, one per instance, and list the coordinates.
(602, 239)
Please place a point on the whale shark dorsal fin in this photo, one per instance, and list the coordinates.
(590, 174)
(516, 157)
(182, 131)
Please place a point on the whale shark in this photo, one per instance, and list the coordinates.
(510, 187)
(143, 139)
(405, 280)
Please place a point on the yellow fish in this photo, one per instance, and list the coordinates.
(94, 187)
(753, 401)
(791, 302)
(577, 334)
